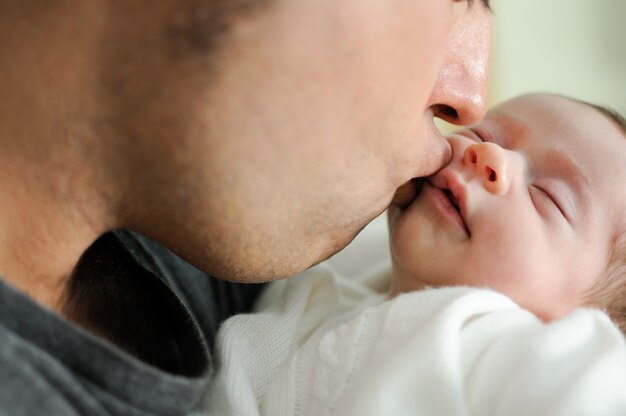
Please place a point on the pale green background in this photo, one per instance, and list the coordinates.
(572, 47)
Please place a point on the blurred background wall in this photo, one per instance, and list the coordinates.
(572, 47)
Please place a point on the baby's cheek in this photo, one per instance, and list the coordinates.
(510, 268)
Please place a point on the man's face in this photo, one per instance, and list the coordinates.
(527, 206)
(316, 112)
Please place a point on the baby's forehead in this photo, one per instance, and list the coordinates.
(547, 116)
(556, 104)
(550, 128)
(546, 105)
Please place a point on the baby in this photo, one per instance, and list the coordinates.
(490, 263)
(532, 205)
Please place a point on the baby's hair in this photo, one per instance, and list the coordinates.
(609, 293)
(612, 115)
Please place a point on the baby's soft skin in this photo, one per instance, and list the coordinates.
(529, 206)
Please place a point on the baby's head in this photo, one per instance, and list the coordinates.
(532, 204)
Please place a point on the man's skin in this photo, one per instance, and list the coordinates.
(254, 138)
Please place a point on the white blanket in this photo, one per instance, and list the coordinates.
(322, 344)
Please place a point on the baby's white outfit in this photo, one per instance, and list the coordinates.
(322, 344)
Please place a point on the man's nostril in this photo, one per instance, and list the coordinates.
(491, 174)
(446, 112)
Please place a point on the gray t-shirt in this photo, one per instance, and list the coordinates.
(49, 366)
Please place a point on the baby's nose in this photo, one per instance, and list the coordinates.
(490, 165)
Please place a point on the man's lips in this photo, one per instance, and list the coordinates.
(406, 193)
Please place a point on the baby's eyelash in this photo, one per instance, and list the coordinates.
(552, 200)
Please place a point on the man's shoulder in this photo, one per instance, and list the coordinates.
(54, 366)
(33, 382)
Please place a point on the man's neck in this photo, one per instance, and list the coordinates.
(53, 180)
(40, 244)
(52, 204)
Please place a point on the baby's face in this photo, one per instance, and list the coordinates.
(528, 206)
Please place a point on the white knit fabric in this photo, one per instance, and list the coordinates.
(322, 344)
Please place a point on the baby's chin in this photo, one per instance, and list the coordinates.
(548, 315)
(400, 284)
(403, 282)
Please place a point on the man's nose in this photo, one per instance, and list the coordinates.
(489, 164)
(460, 92)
